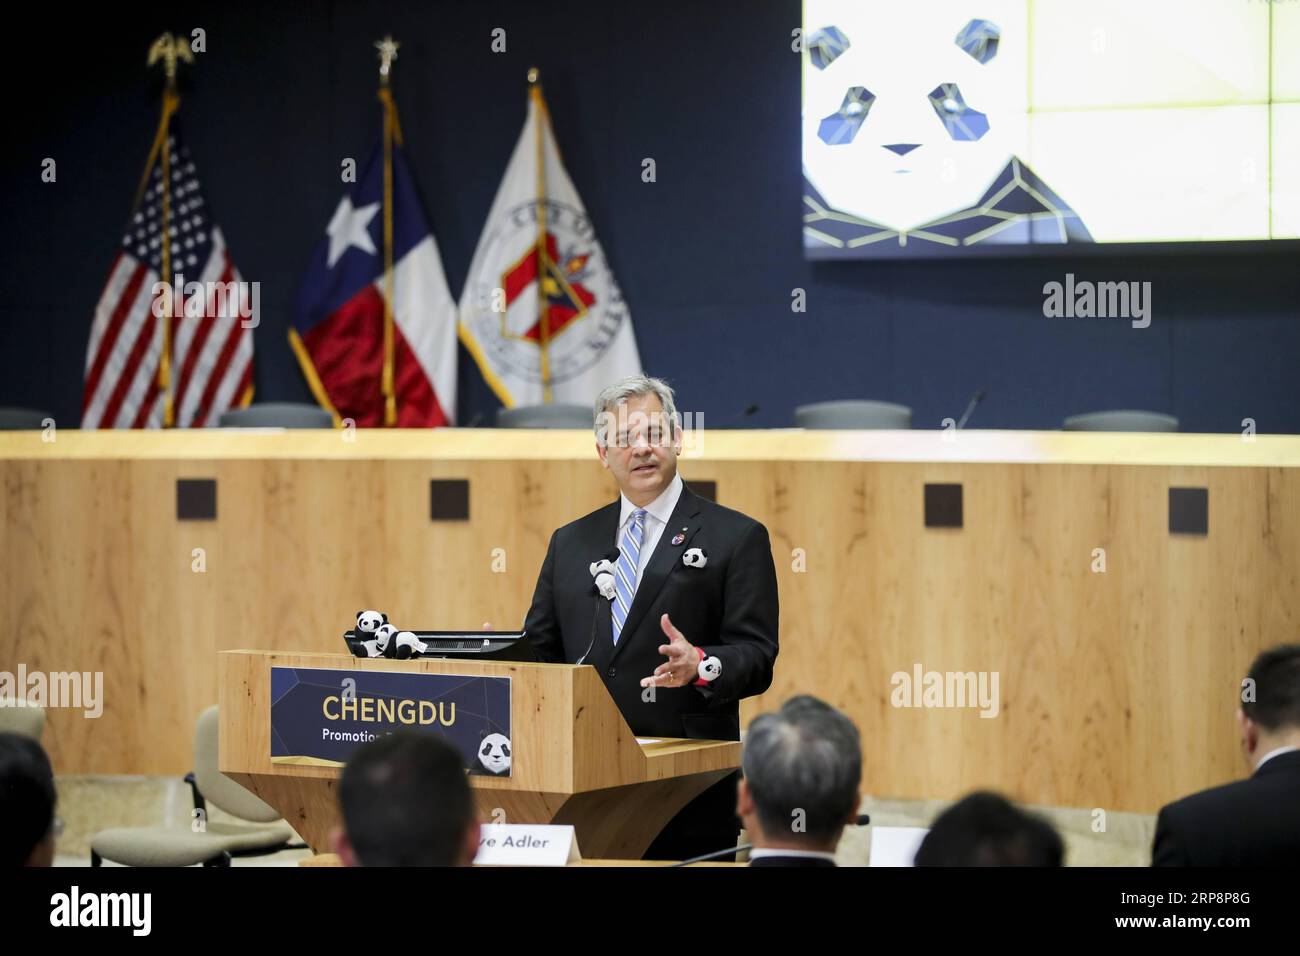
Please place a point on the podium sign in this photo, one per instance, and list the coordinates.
(319, 716)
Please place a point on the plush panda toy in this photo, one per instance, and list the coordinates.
(603, 572)
(368, 622)
(380, 638)
(403, 645)
(494, 755)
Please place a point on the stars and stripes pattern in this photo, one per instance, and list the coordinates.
(212, 349)
(629, 555)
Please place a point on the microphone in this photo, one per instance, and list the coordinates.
(610, 556)
(862, 821)
(747, 411)
(974, 400)
(714, 855)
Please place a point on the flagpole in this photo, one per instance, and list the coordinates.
(543, 261)
(387, 54)
(169, 50)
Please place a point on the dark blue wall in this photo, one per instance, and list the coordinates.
(707, 255)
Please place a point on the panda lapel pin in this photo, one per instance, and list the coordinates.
(695, 557)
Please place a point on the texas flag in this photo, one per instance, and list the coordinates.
(338, 322)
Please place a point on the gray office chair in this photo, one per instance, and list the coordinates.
(853, 414)
(22, 419)
(1122, 420)
(277, 415)
(17, 716)
(261, 831)
(546, 416)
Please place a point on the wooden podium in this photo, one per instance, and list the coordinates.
(575, 761)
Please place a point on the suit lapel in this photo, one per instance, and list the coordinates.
(666, 558)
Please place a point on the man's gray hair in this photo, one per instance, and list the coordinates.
(803, 765)
(611, 396)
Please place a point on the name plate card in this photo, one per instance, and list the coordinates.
(527, 844)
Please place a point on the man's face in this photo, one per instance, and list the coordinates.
(640, 447)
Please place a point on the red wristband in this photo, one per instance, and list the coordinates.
(701, 682)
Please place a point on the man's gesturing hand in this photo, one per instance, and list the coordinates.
(682, 666)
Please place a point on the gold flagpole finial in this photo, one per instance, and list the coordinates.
(169, 50)
(534, 75)
(387, 48)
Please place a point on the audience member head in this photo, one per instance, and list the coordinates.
(1269, 715)
(985, 829)
(406, 802)
(802, 766)
(27, 800)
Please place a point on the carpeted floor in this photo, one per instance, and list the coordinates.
(88, 804)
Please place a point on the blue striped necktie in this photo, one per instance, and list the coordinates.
(629, 554)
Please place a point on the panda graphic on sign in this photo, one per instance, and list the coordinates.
(493, 756)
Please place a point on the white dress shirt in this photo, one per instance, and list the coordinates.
(759, 852)
(656, 519)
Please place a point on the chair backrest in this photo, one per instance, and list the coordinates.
(277, 415)
(1121, 420)
(546, 416)
(216, 787)
(853, 414)
(17, 716)
(22, 419)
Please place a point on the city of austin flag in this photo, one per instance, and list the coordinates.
(541, 312)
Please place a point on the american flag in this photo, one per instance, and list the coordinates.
(212, 350)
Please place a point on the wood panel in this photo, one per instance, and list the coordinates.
(1117, 689)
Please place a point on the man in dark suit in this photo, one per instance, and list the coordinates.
(683, 623)
(1253, 822)
(802, 768)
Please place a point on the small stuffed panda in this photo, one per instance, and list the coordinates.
(710, 669)
(494, 754)
(380, 639)
(403, 645)
(695, 558)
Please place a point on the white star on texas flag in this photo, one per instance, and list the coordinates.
(350, 227)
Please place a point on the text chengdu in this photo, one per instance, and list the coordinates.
(386, 710)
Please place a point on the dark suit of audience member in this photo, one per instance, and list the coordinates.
(802, 767)
(1256, 821)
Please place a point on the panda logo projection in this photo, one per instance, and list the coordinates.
(955, 126)
(923, 147)
(493, 756)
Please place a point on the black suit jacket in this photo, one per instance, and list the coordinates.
(729, 608)
(1253, 822)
